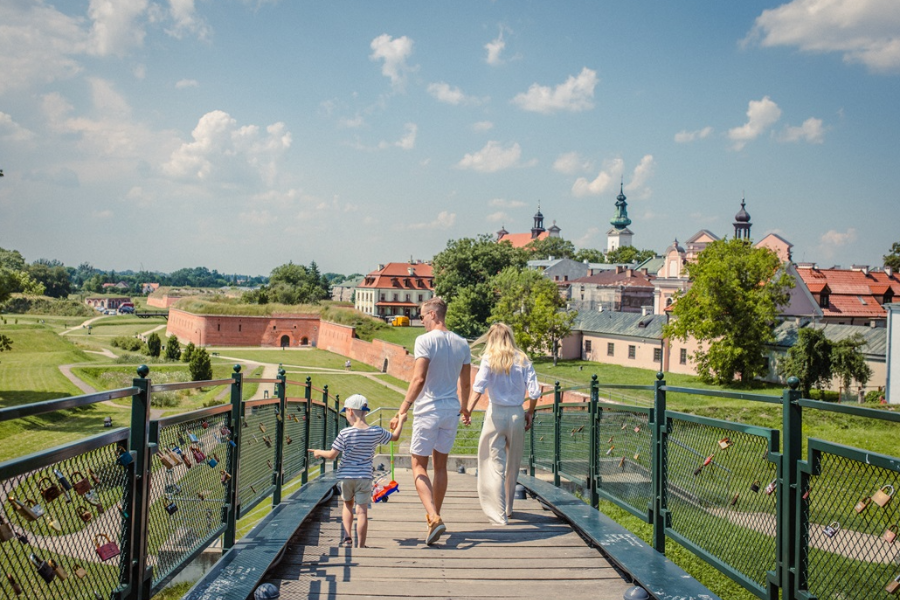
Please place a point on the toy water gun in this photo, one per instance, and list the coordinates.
(381, 492)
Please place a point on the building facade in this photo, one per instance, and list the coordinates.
(279, 331)
(395, 289)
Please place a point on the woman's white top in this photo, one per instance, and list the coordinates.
(508, 390)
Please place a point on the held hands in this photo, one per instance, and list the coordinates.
(529, 419)
(466, 415)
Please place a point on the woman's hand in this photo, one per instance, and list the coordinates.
(529, 419)
(466, 415)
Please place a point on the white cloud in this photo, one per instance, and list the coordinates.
(811, 131)
(11, 131)
(575, 94)
(642, 172)
(497, 217)
(494, 48)
(221, 150)
(451, 95)
(503, 203)
(408, 141)
(865, 32)
(117, 26)
(352, 122)
(493, 157)
(186, 21)
(761, 114)
(571, 163)
(186, 83)
(102, 214)
(394, 53)
(482, 126)
(139, 72)
(587, 240)
(837, 238)
(684, 136)
(444, 220)
(604, 181)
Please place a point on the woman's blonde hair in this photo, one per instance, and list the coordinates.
(500, 349)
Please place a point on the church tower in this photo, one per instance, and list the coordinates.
(619, 235)
(538, 228)
(742, 224)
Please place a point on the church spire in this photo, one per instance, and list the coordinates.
(621, 220)
(538, 228)
(742, 223)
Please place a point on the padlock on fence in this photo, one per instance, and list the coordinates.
(204, 424)
(622, 463)
(244, 422)
(6, 532)
(831, 529)
(165, 460)
(754, 487)
(81, 486)
(881, 497)
(84, 514)
(194, 439)
(171, 507)
(262, 427)
(50, 491)
(724, 443)
(36, 508)
(735, 499)
(770, 489)
(123, 456)
(79, 571)
(54, 524)
(287, 439)
(862, 504)
(890, 534)
(94, 477)
(225, 477)
(58, 569)
(25, 510)
(212, 461)
(278, 415)
(108, 550)
(198, 455)
(16, 588)
(269, 464)
(893, 586)
(608, 452)
(176, 460)
(225, 431)
(43, 568)
(268, 441)
(637, 455)
(94, 500)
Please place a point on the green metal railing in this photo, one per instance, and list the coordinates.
(741, 497)
(119, 514)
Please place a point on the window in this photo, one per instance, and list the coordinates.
(408, 297)
(382, 297)
(396, 296)
(218, 327)
(657, 355)
(682, 356)
(823, 300)
(420, 298)
(587, 346)
(631, 351)
(610, 349)
(565, 277)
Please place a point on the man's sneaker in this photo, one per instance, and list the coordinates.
(436, 529)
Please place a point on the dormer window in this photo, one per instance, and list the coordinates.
(823, 299)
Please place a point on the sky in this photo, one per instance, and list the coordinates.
(240, 135)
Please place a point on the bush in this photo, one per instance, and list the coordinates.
(188, 352)
(129, 344)
(164, 399)
(173, 349)
(200, 365)
(154, 345)
(47, 306)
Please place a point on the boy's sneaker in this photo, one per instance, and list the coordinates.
(436, 529)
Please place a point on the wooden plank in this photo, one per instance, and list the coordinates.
(511, 553)
(453, 561)
(367, 573)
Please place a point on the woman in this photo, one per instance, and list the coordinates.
(508, 376)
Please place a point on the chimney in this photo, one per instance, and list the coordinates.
(645, 272)
(411, 271)
(550, 258)
(381, 267)
(629, 272)
(863, 268)
(873, 324)
(619, 269)
(889, 271)
(645, 310)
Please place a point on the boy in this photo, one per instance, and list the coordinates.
(356, 444)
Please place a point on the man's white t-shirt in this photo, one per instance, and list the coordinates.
(446, 353)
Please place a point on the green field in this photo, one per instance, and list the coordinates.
(291, 358)
(403, 336)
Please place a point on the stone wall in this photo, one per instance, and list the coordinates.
(164, 301)
(226, 330)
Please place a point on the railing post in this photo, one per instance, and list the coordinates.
(788, 495)
(593, 460)
(657, 465)
(324, 425)
(337, 426)
(140, 575)
(531, 458)
(307, 417)
(557, 419)
(279, 437)
(232, 498)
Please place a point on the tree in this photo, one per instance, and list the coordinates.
(628, 255)
(5, 344)
(530, 304)
(173, 349)
(14, 277)
(154, 345)
(468, 312)
(188, 353)
(551, 246)
(591, 255)
(848, 362)
(200, 365)
(892, 259)
(809, 359)
(54, 278)
(469, 261)
(735, 294)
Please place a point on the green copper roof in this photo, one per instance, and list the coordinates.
(621, 220)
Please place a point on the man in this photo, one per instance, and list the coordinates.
(442, 360)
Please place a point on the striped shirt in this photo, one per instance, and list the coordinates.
(357, 448)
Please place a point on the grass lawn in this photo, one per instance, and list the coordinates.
(404, 336)
(112, 326)
(345, 384)
(292, 358)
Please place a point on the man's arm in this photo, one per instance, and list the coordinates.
(465, 383)
(420, 371)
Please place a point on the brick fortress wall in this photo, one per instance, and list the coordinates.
(227, 330)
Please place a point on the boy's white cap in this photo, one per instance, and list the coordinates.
(356, 402)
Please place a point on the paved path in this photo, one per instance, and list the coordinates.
(536, 556)
(85, 324)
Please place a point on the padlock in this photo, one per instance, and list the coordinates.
(171, 507)
(881, 498)
(893, 586)
(58, 569)
(770, 489)
(80, 573)
(24, 510)
(36, 508)
(831, 529)
(202, 494)
(708, 460)
(165, 460)
(173, 456)
(608, 452)
(81, 486)
(735, 499)
(94, 500)
(269, 464)
(255, 439)
(123, 456)
(194, 439)
(637, 429)
(724, 443)
(43, 568)
(622, 463)
(198, 455)
(805, 495)
(50, 491)
(278, 415)
(108, 550)
(698, 470)
(85, 514)
(231, 443)
(121, 510)
(287, 439)
(754, 487)
(862, 504)
(253, 489)
(212, 461)
(262, 427)
(225, 477)
(94, 477)
(6, 532)
(54, 524)
(637, 455)
(173, 488)
(225, 431)
(184, 457)
(624, 425)
(609, 441)
(17, 589)
(268, 441)
(244, 422)
(890, 534)
(204, 424)
(181, 440)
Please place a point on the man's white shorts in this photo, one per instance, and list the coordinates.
(435, 430)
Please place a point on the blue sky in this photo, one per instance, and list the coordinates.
(240, 135)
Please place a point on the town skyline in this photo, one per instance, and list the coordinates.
(241, 135)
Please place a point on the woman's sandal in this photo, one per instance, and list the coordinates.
(347, 542)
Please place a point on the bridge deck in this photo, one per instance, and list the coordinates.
(536, 556)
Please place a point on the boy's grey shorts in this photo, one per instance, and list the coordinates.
(358, 490)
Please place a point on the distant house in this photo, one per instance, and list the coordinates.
(626, 339)
(106, 301)
(343, 292)
(520, 240)
(395, 289)
(854, 296)
(149, 288)
(621, 290)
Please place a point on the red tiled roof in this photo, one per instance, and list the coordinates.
(396, 276)
(818, 287)
(854, 293)
(611, 278)
(520, 240)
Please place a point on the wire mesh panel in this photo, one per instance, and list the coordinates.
(257, 459)
(575, 443)
(720, 494)
(61, 525)
(187, 489)
(316, 431)
(543, 438)
(295, 456)
(331, 423)
(624, 456)
(853, 535)
(466, 442)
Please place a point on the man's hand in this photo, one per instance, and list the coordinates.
(396, 421)
(529, 419)
(466, 416)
